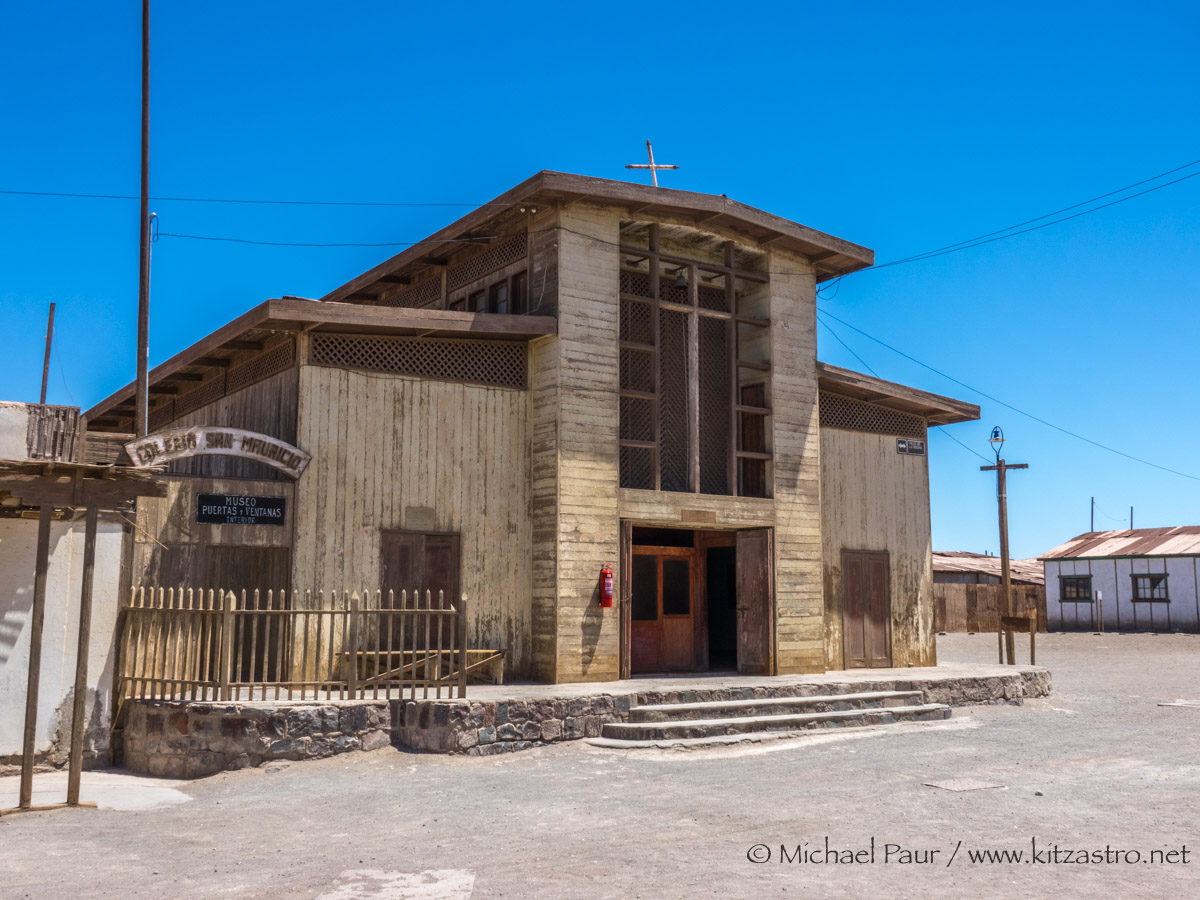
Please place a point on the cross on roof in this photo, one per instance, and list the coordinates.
(653, 167)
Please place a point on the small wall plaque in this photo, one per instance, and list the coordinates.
(910, 447)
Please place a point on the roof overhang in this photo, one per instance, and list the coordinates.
(295, 315)
(935, 408)
(830, 256)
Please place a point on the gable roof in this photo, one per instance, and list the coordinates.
(831, 256)
(1182, 540)
(1029, 570)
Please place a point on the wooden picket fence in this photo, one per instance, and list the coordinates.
(975, 607)
(207, 645)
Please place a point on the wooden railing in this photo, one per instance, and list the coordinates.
(186, 644)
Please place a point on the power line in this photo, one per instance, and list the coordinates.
(233, 240)
(838, 338)
(1008, 405)
(964, 446)
(240, 200)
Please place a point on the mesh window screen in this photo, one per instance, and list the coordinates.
(494, 363)
(855, 415)
(425, 293)
(714, 406)
(496, 257)
(637, 468)
(673, 404)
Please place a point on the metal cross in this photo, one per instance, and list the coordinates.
(653, 167)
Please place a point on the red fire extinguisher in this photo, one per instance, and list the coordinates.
(606, 587)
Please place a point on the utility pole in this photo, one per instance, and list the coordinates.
(1093, 526)
(1001, 468)
(142, 397)
(46, 362)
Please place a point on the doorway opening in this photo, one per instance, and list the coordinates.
(698, 600)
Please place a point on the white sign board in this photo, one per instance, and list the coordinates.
(207, 440)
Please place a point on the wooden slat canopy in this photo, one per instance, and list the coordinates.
(293, 315)
(935, 408)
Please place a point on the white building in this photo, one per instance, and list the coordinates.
(1144, 579)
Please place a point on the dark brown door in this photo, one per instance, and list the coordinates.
(662, 597)
(866, 609)
(416, 562)
(755, 603)
(251, 569)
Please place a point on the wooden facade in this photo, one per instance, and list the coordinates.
(612, 365)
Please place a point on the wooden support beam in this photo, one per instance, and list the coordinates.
(164, 389)
(102, 492)
(396, 279)
(213, 362)
(41, 568)
(79, 713)
(242, 345)
(184, 376)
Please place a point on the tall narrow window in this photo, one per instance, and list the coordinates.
(693, 335)
(520, 294)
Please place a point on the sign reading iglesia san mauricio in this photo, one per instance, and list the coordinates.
(240, 509)
(203, 440)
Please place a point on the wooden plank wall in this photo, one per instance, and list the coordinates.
(268, 407)
(797, 452)
(588, 525)
(961, 608)
(169, 545)
(392, 452)
(873, 498)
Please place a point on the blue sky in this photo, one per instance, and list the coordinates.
(903, 127)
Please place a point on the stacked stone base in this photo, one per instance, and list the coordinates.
(190, 740)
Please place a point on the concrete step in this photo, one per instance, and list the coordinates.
(773, 706)
(713, 727)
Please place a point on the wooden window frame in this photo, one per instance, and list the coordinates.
(1137, 577)
(735, 451)
(1062, 589)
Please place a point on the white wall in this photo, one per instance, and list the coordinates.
(1112, 577)
(18, 542)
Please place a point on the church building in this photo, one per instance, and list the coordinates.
(581, 376)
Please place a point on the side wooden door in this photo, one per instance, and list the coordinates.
(663, 587)
(755, 603)
(866, 609)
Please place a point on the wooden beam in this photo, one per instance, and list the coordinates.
(895, 396)
(395, 279)
(184, 376)
(83, 646)
(242, 345)
(212, 362)
(165, 389)
(41, 568)
(102, 492)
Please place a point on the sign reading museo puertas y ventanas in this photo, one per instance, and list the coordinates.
(240, 509)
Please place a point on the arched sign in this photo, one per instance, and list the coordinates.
(207, 440)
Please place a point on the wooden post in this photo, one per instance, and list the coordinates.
(461, 639)
(228, 601)
(352, 640)
(37, 618)
(46, 362)
(81, 657)
(1004, 643)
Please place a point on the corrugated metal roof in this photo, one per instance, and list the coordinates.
(1182, 540)
(1029, 570)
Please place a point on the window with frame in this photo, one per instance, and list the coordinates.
(694, 371)
(1150, 587)
(1075, 588)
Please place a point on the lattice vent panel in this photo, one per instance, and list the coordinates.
(637, 370)
(637, 322)
(714, 406)
(637, 468)
(204, 393)
(712, 298)
(501, 254)
(637, 284)
(161, 416)
(854, 415)
(673, 407)
(422, 294)
(268, 363)
(495, 363)
(637, 419)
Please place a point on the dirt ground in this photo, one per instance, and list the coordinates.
(1099, 769)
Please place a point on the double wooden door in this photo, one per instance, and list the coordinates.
(866, 609)
(413, 561)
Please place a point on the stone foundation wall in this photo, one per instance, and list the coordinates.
(190, 740)
(486, 728)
